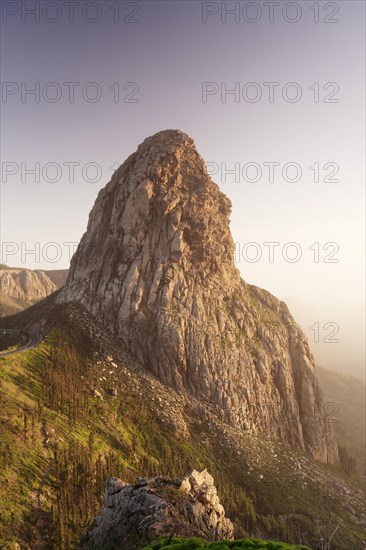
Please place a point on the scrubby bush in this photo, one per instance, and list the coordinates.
(194, 543)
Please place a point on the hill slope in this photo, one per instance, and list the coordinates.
(346, 397)
(70, 419)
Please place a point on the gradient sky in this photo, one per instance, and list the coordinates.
(168, 53)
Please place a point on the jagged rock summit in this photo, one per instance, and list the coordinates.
(156, 268)
(154, 507)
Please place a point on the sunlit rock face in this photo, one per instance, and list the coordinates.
(156, 267)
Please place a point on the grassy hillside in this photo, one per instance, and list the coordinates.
(7, 267)
(69, 420)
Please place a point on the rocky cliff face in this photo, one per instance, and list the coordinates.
(156, 267)
(156, 507)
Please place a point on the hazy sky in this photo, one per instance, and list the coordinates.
(273, 91)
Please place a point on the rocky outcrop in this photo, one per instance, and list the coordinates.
(156, 268)
(158, 507)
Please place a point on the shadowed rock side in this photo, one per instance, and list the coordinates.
(156, 507)
(156, 267)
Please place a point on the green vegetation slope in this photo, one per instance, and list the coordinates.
(70, 419)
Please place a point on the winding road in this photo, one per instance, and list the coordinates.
(34, 339)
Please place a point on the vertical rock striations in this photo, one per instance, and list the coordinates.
(156, 267)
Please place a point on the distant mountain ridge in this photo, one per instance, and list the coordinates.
(57, 276)
(346, 399)
(21, 288)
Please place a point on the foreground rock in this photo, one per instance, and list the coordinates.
(134, 514)
(156, 268)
